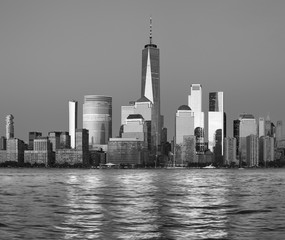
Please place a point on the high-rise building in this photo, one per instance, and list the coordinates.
(150, 87)
(261, 127)
(195, 103)
(9, 126)
(216, 122)
(236, 135)
(15, 150)
(279, 132)
(64, 140)
(188, 153)
(54, 138)
(41, 153)
(3, 143)
(97, 119)
(230, 151)
(32, 137)
(267, 127)
(73, 108)
(266, 149)
(184, 124)
(135, 127)
(247, 127)
(252, 150)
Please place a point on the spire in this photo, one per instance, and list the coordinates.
(150, 30)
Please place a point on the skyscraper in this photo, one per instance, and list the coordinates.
(97, 119)
(9, 126)
(73, 105)
(267, 126)
(252, 150)
(261, 127)
(247, 127)
(195, 103)
(216, 122)
(236, 135)
(32, 137)
(279, 132)
(150, 87)
(230, 151)
(184, 124)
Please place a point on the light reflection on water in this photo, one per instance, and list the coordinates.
(142, 204)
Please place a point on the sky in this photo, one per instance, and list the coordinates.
(55, 51)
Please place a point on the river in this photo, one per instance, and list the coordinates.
(142, 204)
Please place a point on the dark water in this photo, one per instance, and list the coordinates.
(142, 204)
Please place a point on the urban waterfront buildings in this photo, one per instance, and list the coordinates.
(195, 103)
(279, 133)
(41, 154)
(266, 149)
(9, 126)
(216, 123)
(150, 88)
(73, 108)
(252, 150)
(97, 119)
(184, 126)
(230, 156)
(236, 124)
(247, 127)
(32, 137)
(261, 127)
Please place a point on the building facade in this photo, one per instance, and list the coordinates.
(54, 138)
(41, 154)
(266, 149)
(248, 126)
(128, 151)
(15, 150)
(195, 103)
(261, 127)
(73, 108)
(184, 124)
(32, 137)
(216, 123)
(97, 119)
(9, 126)
(150, 88)
(230, 156)
(252, 150)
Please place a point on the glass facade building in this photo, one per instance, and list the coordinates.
(97, 119)
(195, 103)
(150, 88)
(216, 122)
(73, 107)
(247, 127)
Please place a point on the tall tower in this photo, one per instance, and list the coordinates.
(9, 126)
(97, 119)
(248, 126)
(216, 122)
(150, 87)
(195, 103)
(73, 107)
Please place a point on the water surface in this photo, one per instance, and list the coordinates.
(142, 204)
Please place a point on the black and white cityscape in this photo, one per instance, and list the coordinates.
(142, 140)
(142, 119)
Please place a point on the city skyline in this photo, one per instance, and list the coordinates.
(240, 52)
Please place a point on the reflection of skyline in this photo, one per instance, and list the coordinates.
(118, 206)
(142, 204)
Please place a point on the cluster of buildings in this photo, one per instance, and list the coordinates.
(142, 140)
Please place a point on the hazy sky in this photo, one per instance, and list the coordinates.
(55, 51)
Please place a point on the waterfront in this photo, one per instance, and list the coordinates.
(142, 204)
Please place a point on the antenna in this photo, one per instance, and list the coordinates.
(150, 30)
